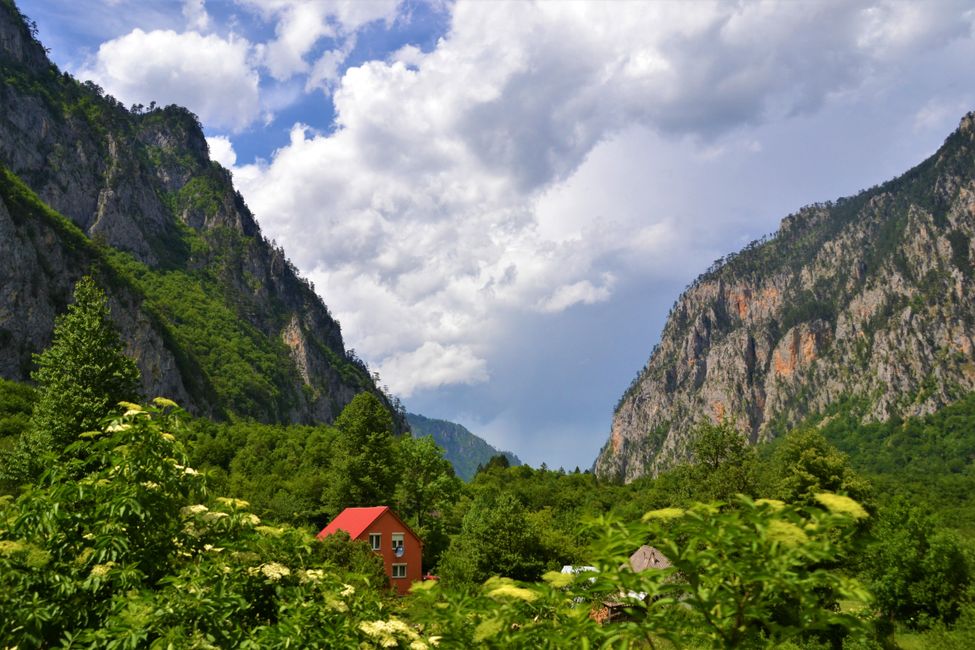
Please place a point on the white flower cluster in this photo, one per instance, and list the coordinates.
(336, 604)
(273, 571)
(101, 570)
(192, 511)
(186, 470)
(388, 634)
(312, 575)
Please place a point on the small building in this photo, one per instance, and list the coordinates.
(647, 557)
(398, 546)
(615, 609)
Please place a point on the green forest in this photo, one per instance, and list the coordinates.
(127, 523)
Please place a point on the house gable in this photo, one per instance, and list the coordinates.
(379, 526)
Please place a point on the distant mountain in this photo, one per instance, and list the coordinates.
(214, 314)
(463, 449)
(868, 301)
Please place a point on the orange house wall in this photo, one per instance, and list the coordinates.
(386, 525)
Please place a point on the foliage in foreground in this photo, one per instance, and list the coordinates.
(752, 575)
(120, 547)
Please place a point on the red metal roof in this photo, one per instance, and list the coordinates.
(353, 521)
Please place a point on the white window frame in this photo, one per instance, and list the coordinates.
(376, 541)
(399, 568)
(398, 537)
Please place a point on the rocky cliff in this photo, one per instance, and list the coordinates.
(866, 302)
(214, 314)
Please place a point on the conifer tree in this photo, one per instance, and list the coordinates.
(80, 378)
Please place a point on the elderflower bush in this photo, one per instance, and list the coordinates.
(757, 571)
(751, 575)
(121, 547)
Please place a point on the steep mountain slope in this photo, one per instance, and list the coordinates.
(463, 449)
(214, 314)
(867, 299)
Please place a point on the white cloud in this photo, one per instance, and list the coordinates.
(195, 13)
(894, 28)
(409, 55)
(222, 150)
(453, 193)
(937, 112)
(432, 365)
(325, 72)
(300, 25)
(582, 292)
(209, 75)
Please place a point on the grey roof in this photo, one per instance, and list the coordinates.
(647, 557)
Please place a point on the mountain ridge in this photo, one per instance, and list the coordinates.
(867, 297)
(215, 315)
(465, 450)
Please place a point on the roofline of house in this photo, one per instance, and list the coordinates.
(386, 509)
(403, 523)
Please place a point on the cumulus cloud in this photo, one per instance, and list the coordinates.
(208, 74)
(222, 150)
(300, 25)
(432, 365)
(325, 72)
(432, 211)
(891, 29)
(195, 13)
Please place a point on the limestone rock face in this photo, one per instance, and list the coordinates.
(141, 182)
(868, 299)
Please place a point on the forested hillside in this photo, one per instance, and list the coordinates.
(213, 313)
(465, 451)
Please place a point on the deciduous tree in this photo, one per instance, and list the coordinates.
(364, 469)
(496, 538)
(427, 488)
(725, 463)
(918, 571)
(805, 464)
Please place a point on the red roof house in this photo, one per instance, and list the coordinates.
(399, 547)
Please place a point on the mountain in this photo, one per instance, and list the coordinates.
(215, 315)
(866, 301)
(463, 449)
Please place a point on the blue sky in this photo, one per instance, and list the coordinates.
(501, 201)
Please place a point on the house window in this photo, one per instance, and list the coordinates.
(398, 544)
(375, 540)
(399, 570)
